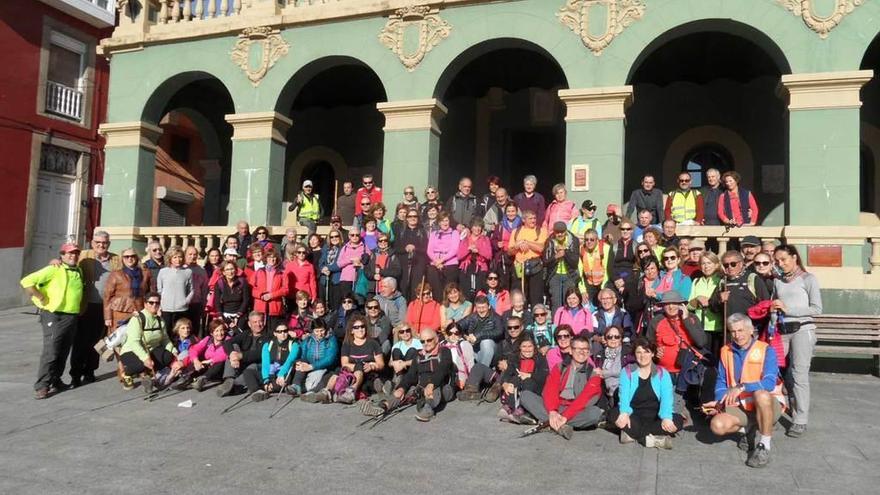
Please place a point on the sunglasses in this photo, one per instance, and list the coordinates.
(262, 233)
(612, 337)
(684, 180)
(644, 251)
(373, 306)
(300, 252)
(540, 314)
(280, 332)
(405, 330)
(491, 278)
(762, 263)
(129, 256)
(348, 301)
(430, 191)
(668, 258)
(335, 236)
(152, 303)
(358, 327)
(408, 192)
(732, 264)
(383, 240)
(590, 239)
(354, 236)
(625, 229)
(368, 183)
(563, 336)
(514, 327)
(412, 216)
(156, 250)
(428, 341)
(426, 293)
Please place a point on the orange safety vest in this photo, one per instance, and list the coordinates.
(594, 266)
(751, 372)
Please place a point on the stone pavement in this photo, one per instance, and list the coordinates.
(93, 441)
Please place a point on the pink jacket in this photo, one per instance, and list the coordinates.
(582, 320)
(347, 255)
(443, 245)
(301, 277)
(206, 350)
(559, 212)
(484, 253)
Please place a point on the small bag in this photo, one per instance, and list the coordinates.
(533, 267)
(343, 381)
(789, 327)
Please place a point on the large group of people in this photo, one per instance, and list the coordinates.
(569, 321)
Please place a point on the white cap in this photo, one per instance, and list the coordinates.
(230, 252)
(307, 183)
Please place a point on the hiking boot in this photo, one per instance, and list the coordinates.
(796, 430)
(147, 383)
(625, 438)
(504, 414)
(319, 397)
(75, 382)
(294, 391)
(182, 382)
(470, 392)
(566, 431)
(525, 419)
(89, 377)
(346, 397)
(378, 385)
(759, 457)
(226, 387)
(387, 387)
(199, 384)
(41, 393)
(127, 382)
(425, 414)
(259, 396)
(368, 408)
(658, 442)
(493, 392)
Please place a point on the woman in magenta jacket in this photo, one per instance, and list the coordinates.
(269, 290)
(351, 258)
(442, 255)
(205, 360)
(574, 313)
(474, 255)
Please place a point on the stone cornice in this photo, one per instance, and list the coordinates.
(413, 115)
(130, 134)
(608, 103)
(824, 90)
(258, 126)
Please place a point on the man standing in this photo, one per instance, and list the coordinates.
(345, 203)
(739, 290)
(95, 265)
(308, 206)
(530, 200)
(748, 391)
(685, 205)
(711, 195)
(611, 227)
(370, 191)
(561, 259)
(647, 198)
(245, 239)
(155, 261)
(594, 264)
(462, 206)
(495, 212)
(644, 223)
(750, 246)
(668, 236)
(58, 292)
(568, 401)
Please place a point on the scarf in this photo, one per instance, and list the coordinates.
(611, 354)
(332, 253)
(137, 278)
(788, 277)
(511, 225)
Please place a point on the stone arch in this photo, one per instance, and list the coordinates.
(739, 150)
(314, 154)
(157, 104)
(305, 74)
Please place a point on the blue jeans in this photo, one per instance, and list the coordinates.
(486, 352)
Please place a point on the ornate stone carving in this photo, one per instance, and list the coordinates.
(619, 14)
(272, 47)
(427, 26)
(819, 24)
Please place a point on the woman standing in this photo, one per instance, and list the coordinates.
(624, 260)
(269, 290)
(501, 260)
(330, 290)
(526, 246)
(232, 296)
(125, 289)
(174, 283)
(474, 256)
(651, 239)
(647, 401)
(316, 248)
(764, 268)
(703, 288)
(443, 255)
(196, 312)
(455, 307)
(383, 263)
(213, 260)
(300, 273)
(378, 212)
(498, 296)
(737, 205)
(351, 261)
(797, 300)
(560, 209)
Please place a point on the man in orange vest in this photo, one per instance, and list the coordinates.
(748, 390)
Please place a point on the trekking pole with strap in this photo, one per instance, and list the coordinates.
(408, 401)
(239, 401)
(538, 428)
(421, 305)
(278, 397)
(723, 286)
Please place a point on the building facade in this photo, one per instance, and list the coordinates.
(592, 93)
(53, 96)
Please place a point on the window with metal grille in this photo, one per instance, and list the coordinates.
(172, 213)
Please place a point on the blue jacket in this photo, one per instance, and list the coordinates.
(620, 319)
(285, 366)
(321, 354)
(661, 383)
(769, 374)
(335, 271)
(681, 283)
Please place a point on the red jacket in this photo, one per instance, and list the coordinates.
(502, 300)
(430, 316)
(556, 382)
(375, 196)
(301, 277)
(278, 291)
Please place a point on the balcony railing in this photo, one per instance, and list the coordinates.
(64, 101)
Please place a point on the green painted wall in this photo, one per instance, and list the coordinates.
(598, 144)
(129, 176)
(255, 185)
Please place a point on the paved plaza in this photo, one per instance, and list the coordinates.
(93, 441)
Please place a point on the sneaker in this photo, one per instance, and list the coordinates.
(199, 384)
(324, 397)
(625, 438)
(41, 393)
(425, 414)
(75, 382)
(387, 387)
(147, 383)
(226, 387)
(566, 431)
(470, 392)
(493, 392)
(759, 457)
(259, 396)
(294, 391)
(368, 408)
(127, 382)
(658, 442)
(320, 397)
(504, 414)
(796, 430)
(89, 377)
(378, 385)
(346, 397)
(524, 419)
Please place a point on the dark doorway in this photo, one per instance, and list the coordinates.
(323, 177)
(534, 152)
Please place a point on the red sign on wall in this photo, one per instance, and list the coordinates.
(831, 256)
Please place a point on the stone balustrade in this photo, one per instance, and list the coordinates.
(857, 265)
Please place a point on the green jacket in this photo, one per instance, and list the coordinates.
(141, 341)
(62, 285)
(705, 286)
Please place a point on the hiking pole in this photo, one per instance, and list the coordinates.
(538, 428)
(421, 305)
(723, 286)
(278, 397)
(239, 401)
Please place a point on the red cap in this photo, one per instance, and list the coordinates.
(68, 247)
(612, 208)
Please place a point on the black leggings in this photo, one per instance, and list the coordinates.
(212, 373)
(534, 287)
(641, 426)
(133, 364)
(438, 279)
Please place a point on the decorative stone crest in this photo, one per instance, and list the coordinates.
(819, 24)
(272, 47)
(417, 20)
(619, 14)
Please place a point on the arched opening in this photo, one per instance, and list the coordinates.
(870, 132)
(194, 152)
(505, 118)
(337, 130)
(705, 97)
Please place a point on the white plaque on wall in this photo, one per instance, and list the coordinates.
(580, 177)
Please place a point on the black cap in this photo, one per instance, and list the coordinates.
(588, 205)
(750, 240)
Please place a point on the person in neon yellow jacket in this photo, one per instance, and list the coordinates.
(702, 289)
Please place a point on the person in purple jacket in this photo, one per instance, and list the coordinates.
(443, 255)
(531, 200)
